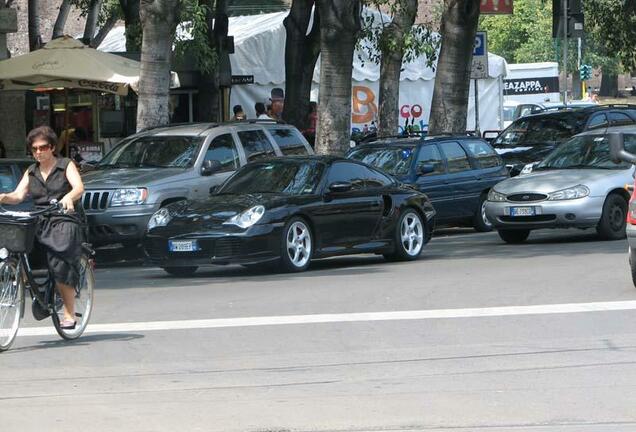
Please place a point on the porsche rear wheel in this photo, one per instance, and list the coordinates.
(297, 245)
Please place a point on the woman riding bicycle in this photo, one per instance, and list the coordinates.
(62, 235)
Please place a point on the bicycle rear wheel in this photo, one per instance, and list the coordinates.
(11, 302)
(83, 302)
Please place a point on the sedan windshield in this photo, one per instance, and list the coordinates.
(153, 152)
(549, 130)
(393, 160)
(287, 177)
(586, 152)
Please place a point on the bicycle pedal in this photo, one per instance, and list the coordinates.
(39, 313)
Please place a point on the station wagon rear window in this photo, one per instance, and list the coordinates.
(393, 160)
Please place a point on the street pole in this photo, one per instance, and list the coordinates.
(477, 110)
(565, 51)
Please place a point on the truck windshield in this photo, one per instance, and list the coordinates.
(153, 152)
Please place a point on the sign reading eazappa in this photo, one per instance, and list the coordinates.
(521, 86)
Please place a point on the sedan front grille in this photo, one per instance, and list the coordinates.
(527, 197)
(95, 199)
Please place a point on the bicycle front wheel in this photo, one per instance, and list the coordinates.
(83, 303)
(11, 302)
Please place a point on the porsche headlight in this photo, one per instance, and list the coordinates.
(129, 196)
(493, 195)
(247, 218)
(160, 218)
(575, 192)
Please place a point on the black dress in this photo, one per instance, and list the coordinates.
(61, 235)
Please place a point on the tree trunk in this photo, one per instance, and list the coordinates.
(90, 28)
(452, 79)
(209, 84)
(35, 38)
(132, 22)
(339, 27)
(103, 30)
(609, 84)
(391, 65)
(301, 53)
(60, 22)
(159, 25)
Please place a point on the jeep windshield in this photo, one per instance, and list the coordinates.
(391, 159)
(153, 152)
(552, 129)
(585, 152)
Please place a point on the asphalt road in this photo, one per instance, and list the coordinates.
(477, 335)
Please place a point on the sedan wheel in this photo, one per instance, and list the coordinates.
(410, 237)
(613, 219)
(297, 246)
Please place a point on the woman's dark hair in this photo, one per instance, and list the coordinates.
(44, 133)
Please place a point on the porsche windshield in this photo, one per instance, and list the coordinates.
(553, 129)
(153, 152)
(585, 152)
(394, 160)
(287, 177)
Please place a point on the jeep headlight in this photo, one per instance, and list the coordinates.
(493, 195)
(160, 218)
(246, 218)
(129, 196)
(575, 192)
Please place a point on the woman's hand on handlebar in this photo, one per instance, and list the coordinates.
(3, 197)
(66, 204)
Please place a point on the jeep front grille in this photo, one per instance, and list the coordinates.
(95, 200)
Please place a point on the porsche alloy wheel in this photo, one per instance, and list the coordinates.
(297, 245)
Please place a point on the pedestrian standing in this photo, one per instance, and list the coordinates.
(261, 113)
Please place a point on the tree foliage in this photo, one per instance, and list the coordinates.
(612, 25)
(374, 39)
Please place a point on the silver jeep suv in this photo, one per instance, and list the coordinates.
(153, 168)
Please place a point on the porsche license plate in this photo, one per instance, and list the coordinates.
(522, 211)
(182, 245)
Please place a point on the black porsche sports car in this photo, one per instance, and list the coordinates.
(290, 210)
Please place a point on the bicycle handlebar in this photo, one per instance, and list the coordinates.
(54, 206)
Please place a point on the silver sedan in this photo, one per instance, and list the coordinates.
(577, 185)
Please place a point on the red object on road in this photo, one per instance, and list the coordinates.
(496, 7)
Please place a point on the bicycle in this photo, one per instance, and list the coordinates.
(17, 234)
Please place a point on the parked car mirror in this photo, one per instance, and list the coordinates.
(490, 135)
(617, 149)
(213, 189)
(425, 168)
(209, 167)
(340, 187)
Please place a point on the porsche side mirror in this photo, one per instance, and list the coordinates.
(617, 149)
(209, 167)
(339, 187)
(424, 169)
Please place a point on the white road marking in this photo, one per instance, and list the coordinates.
(345, 317)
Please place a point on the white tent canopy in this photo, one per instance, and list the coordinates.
(259, 42)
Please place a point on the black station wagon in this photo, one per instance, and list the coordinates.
(456, 172)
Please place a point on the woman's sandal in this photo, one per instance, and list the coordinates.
(67, 324)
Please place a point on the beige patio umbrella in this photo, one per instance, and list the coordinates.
(66, 62)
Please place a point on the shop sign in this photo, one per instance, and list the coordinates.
(495, 7)
(242, 79)
(538, 85)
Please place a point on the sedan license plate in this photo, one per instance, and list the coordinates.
(182, 245)
(522, 211)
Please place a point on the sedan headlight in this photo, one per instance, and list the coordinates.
(131, 196)
(160, 218)
(493, 195)
(247, 218)
(575, 192)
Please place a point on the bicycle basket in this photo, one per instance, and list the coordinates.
(17, 236)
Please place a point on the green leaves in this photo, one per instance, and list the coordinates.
(194, 40)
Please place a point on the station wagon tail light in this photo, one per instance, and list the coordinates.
(631, 213)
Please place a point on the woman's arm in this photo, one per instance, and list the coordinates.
(77, 187)
(20, 192)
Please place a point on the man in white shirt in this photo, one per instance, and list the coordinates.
(259, 107)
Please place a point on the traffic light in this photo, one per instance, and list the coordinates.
(585, 72)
